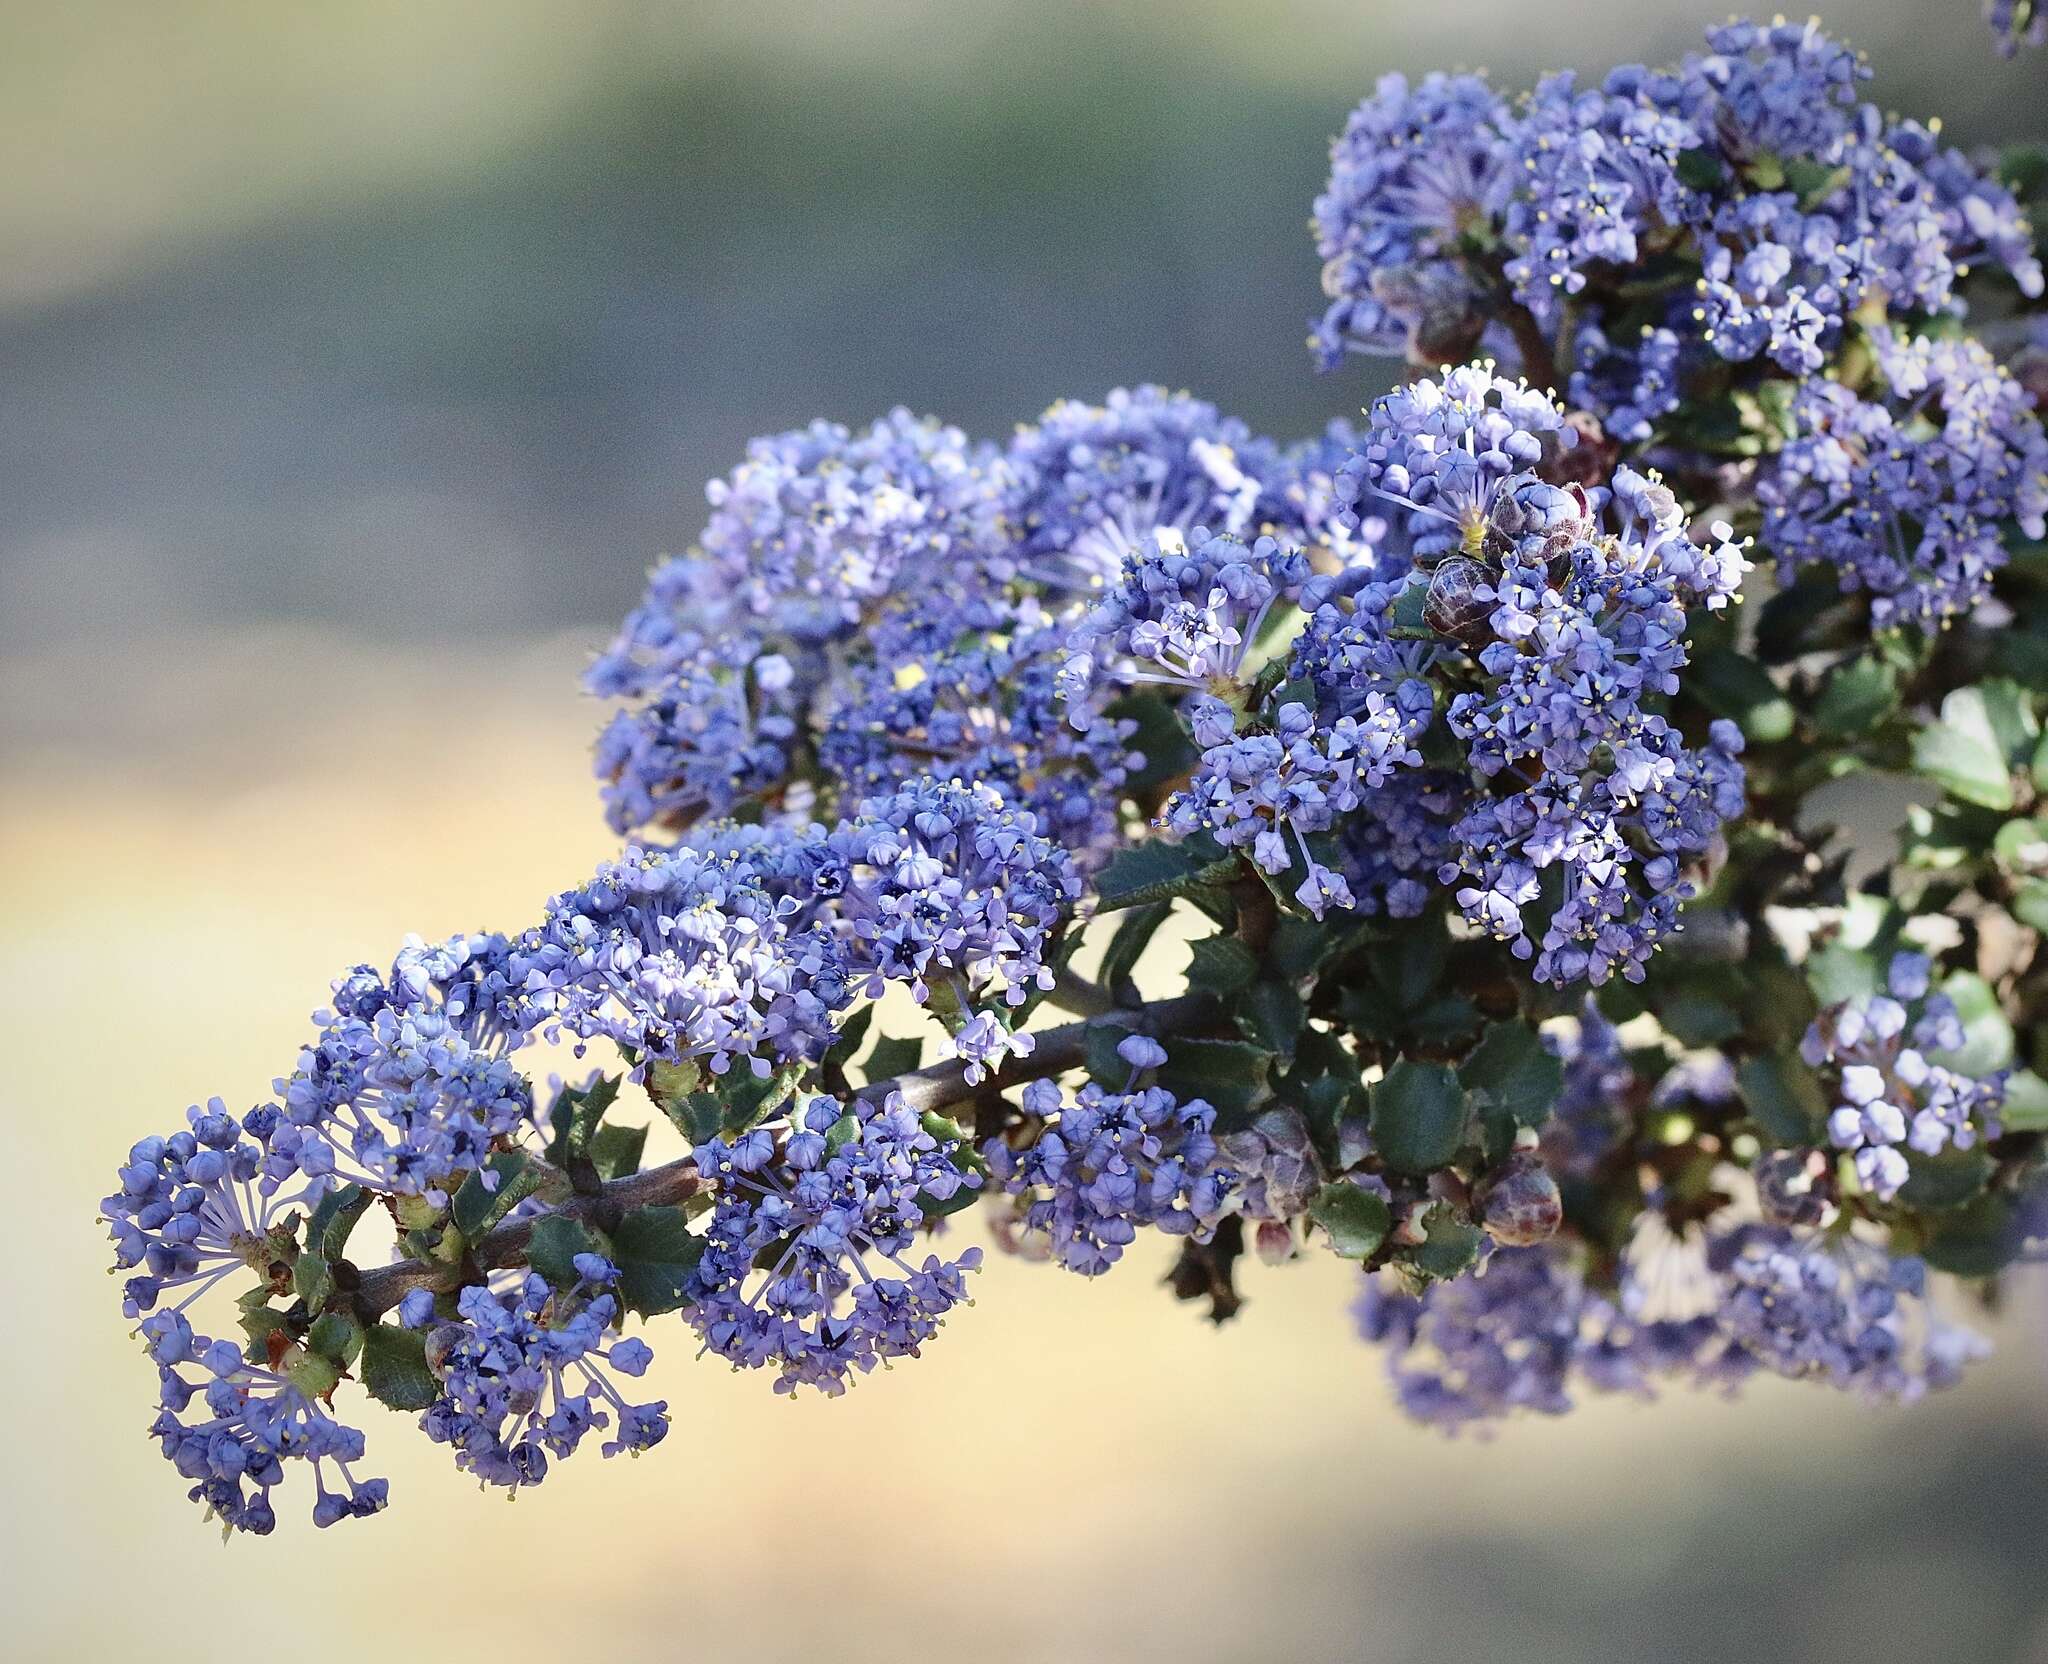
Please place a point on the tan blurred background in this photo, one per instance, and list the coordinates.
(357, 359)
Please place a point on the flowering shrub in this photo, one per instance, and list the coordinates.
(1459, 765)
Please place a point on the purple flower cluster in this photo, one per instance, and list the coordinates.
(1182, 616)
(1753, 162)
(1908, 494)
(681, 955)
(523, 1376)
(2017, 23)
(248, 1423)
(1525, 1330)
(408, 1084)
(1104, 1163)
(1892, 1096)
(805, 1267)
(1414, 173)
(191, 1209)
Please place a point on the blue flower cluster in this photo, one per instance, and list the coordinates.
(525, 1374)
(408, 1084)
(680, 955)
(804, 1266)
(1526, 1329)
(191, 1209)
(249, 1421)
(1752, 165)
(1908, 493)
(1102, 1164)
(1891, 1095)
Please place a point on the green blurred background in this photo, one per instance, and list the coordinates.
(357, 360)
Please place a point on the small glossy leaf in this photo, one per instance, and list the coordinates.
(1357, 1220)
(1987, 1032)
(1783, 1096)
(615, 1151)
(395, 1368)
(655, 1253)
(1158, 871)
(556, 1241)
(337, 1337)
(574, 1119)
(477, 1206)
(327, 1231)
(1964, 753)
(1418, 1116)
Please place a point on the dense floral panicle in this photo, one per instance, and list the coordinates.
(1891, 1096)
(247, 1423)
(983, 708)
(1416, 171)
(820, 522)
(1779, 90)
(1600, 178)
(1630, 384)
(1294, 778)
(526, 1373)
(190, 1208)
(1182, 616)
(1104, 1163)
(702, 744)
(1449, 449)
(1525, 1330)
(680, 954)
(806, 1266)
(944, 882)
(409, 1081)
(1834, 1308)
(1907, 496)
(1095, 482)
(1617, 801)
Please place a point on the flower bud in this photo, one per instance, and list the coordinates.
(1795, 1187)
(1460, 603)
(1520, 1204)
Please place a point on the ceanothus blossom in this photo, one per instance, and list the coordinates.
(1907, 492)
(678, 955)
(526, 1373)
(409, 1083)
(806, 1265)
(1095, 483)
(1891, 1095)
(1103, 1164)
(248, 1421)
(1416, 171)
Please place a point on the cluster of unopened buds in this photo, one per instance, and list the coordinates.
(1390, 844)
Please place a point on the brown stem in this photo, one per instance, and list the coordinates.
(937, 1087)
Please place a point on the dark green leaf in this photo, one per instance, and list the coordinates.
(655, 1254)
(1160, 738)
(851, 1033)
(1696, 1019)
(1449, 1245)
(395, 1368)
(1418, 1116)
(1699, 168)
(1783, 1096)
(1229, 1073)
(1220, 965)
(556, 1241)
(1513, 1079)
(1856, 698)
(574, 1119)
(337, 1337)
(891, 1056)
(1270, 1015)
(1987, 1032)
(1948, 1180)
(615, 1151)
(259, 1323)
(1104, 1066)
(1732, 684)
(312, 1280)
(1158, 871)
(1134, 933)
(327, 1232)
(1974, 1240)
(2026, 1102)
(476, 1208)
(1357, 1220)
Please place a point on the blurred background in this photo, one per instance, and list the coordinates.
(357, 360)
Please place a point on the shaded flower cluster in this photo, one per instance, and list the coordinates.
(1908, 494)
(1892, 1096)
(1103, 1164)
(805, 1266)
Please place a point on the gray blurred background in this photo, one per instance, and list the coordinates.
(357, 360)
